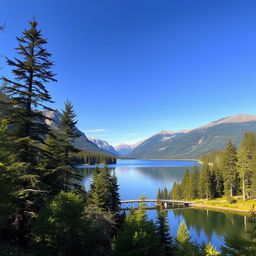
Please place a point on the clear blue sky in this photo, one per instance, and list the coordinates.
(135, 67)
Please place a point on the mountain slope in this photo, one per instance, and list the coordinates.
(104, 145)
(82, 142)
(125, 149)
(192, 144)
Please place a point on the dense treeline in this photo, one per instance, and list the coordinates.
(44, 209)
(229, 173)
(90, 158)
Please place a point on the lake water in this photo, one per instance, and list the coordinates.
(138, 177)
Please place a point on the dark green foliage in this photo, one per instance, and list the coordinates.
(104, 194)
(67, 132)
(236, 246)
(193, 183)
(25, 97)
(27, 92)
(176, 192)
(66, 227)
(61, 228)
(163, 232)
(93, 158)
(185, 184)
(163, 194)
(218, 185)
(159, 194)
(245, 162)
(138, 236)
(229, 168)
(205, 185)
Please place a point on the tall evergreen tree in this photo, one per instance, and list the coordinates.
(104, 193)
(245, 162)
(229, 167)
(193, 183)
(185, 246)
(218, 177)
(204, 186)
(27, 95)
(67, 132)
(163, 231)
(165, 193)
(186, 185)
(28, 92)
(159, 194)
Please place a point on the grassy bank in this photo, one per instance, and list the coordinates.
(237, 204)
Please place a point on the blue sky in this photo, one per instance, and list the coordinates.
(135, 67)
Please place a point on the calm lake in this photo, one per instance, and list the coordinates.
(137, 177)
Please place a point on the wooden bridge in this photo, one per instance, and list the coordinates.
(153, 203)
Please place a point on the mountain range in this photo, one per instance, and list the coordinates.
(81, 142)
(104, 145)
(184, 144)
(191, 144)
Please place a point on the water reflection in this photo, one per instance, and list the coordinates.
(212, 222)
(135, 180)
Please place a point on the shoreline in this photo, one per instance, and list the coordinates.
(219, 208)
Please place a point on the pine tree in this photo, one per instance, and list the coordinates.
(186, 185)
(28, 92)
(163, 231)
(67, 132)
(26, 96)
(115, 206)
(165, 193)
(53, 177)
(219, 186)
(104, 193)
(245, 162)
(205, 186)
(99, 193)
(176, 192)
(193, 183)
(185, 246)
(229, 167)
(159, 194)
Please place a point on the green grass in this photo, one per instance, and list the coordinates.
(237, 203)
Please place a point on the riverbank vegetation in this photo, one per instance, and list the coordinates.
(44, 208)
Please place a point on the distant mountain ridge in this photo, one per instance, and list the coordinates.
(125, 149)
(82, 142)
(104, 145)
(191, 144)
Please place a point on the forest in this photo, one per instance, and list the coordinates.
(228, 173)
(91, 158)
(44, 207)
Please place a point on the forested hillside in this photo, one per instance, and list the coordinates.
(193, 144)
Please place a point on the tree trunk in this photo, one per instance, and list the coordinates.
(244, 197)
